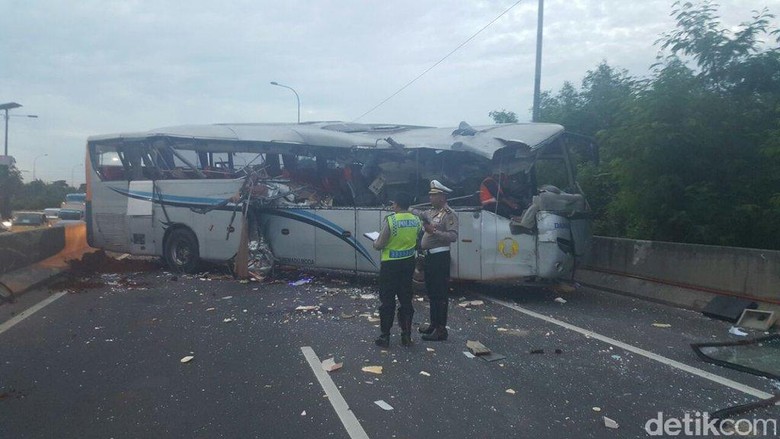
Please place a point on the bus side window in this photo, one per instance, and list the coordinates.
(107, 163)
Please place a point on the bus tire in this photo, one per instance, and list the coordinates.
(181, 251)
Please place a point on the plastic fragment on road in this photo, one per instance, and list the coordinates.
(491, 318)
(616, 357)
(307, 308)
(736, 331)
(373, 369)
(662, 325)
(430, 349)
(383, 405)
(610, 423)
(596, 409)
(227, 297)
(303, 413)
(187, 359)
(424, 373)
(368, 296)
(560, 300)
(468, 354)
(210, 309)
(510, 391)
(330, 365)
(300, 282)
(477, 348)
(471, 303)
(228, 320)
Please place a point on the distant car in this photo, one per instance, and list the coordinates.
(75, 201)
(70, 216)
(52, 213)
(28, 221)
(3, 228)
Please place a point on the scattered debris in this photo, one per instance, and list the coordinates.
(187, 359)
(384, 405)
(471, 303)
(510, 391)
(516, 332)
(736, 331)
(373, 369)
(369, 296)
(596, 409)
(330, 365)
(559, 351)
(227, 297)
(616, 357)
(307, 308)
(492, 357)
(757, 319)
(424, 373)
(468, 354)
(537, 351)
(347, 316)
(477, 348)
(662, 325)
(303, 413)
(430, 349)
(210, 309)
(610, 423)
(560, 300)
(491, 318)
(300, 282)
(228, 320)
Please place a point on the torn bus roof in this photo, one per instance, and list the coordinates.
(484, 141)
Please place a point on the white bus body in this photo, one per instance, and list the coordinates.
(185, 192)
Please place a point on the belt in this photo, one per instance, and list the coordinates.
(435, 250)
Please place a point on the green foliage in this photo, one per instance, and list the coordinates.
(10, 183)
(503, 116)
(38, 195)
(688, 155)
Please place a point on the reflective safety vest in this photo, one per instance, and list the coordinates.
(404, 228)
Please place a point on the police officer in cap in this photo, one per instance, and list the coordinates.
(397, 241)
(441, 229)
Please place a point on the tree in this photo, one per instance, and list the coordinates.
(10, 184)
(503, 116)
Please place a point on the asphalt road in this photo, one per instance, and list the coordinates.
(104, 362)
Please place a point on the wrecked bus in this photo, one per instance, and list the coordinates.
(308, 192)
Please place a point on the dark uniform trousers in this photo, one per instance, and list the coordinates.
(437, 276)
(395, 279)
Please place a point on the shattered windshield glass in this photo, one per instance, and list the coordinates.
(759, 356)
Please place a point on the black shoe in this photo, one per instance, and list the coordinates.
(383, 341)
(425, 328)
(438, 334)
(406, 339)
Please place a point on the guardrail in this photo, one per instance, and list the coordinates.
(687, 275)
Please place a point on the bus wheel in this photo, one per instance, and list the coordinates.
(181, 251)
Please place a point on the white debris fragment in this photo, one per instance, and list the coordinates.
(736, 331)
(424, 373)
(471, 303)
(430, 349)
(368, 296)
(187, 359)
(560, 300)
(303, 413)
(610, 423)
(510, 391)
(662, 325)
(330, 365)
(307, 308)
(384, 405)
(373, 369)
(596, 409)
(227, 297)
(228, 320)
(468, 354)
(210, 309)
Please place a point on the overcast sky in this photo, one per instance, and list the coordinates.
(97, 66)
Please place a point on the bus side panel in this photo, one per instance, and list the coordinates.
(291, 240)
(555, 247)
(334, 237)
(505, 255)
(368, 220)
(109, 215)
(468, 264)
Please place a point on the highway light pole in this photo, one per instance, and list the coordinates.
(10, 106)
(538, 73)
(297, 98)
(35, 160)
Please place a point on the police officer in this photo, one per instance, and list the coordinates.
(397, 241)
(441, 229)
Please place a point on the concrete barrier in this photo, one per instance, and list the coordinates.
(32, 257)
(20, 249)
(686, 275)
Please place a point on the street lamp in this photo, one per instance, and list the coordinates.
(297, 98)
(72, 170)
(10, 106)
(35, 160)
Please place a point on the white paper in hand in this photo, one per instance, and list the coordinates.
(371, 235)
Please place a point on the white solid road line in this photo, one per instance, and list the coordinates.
(30, 311)
(354, 429)
(661, 359)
